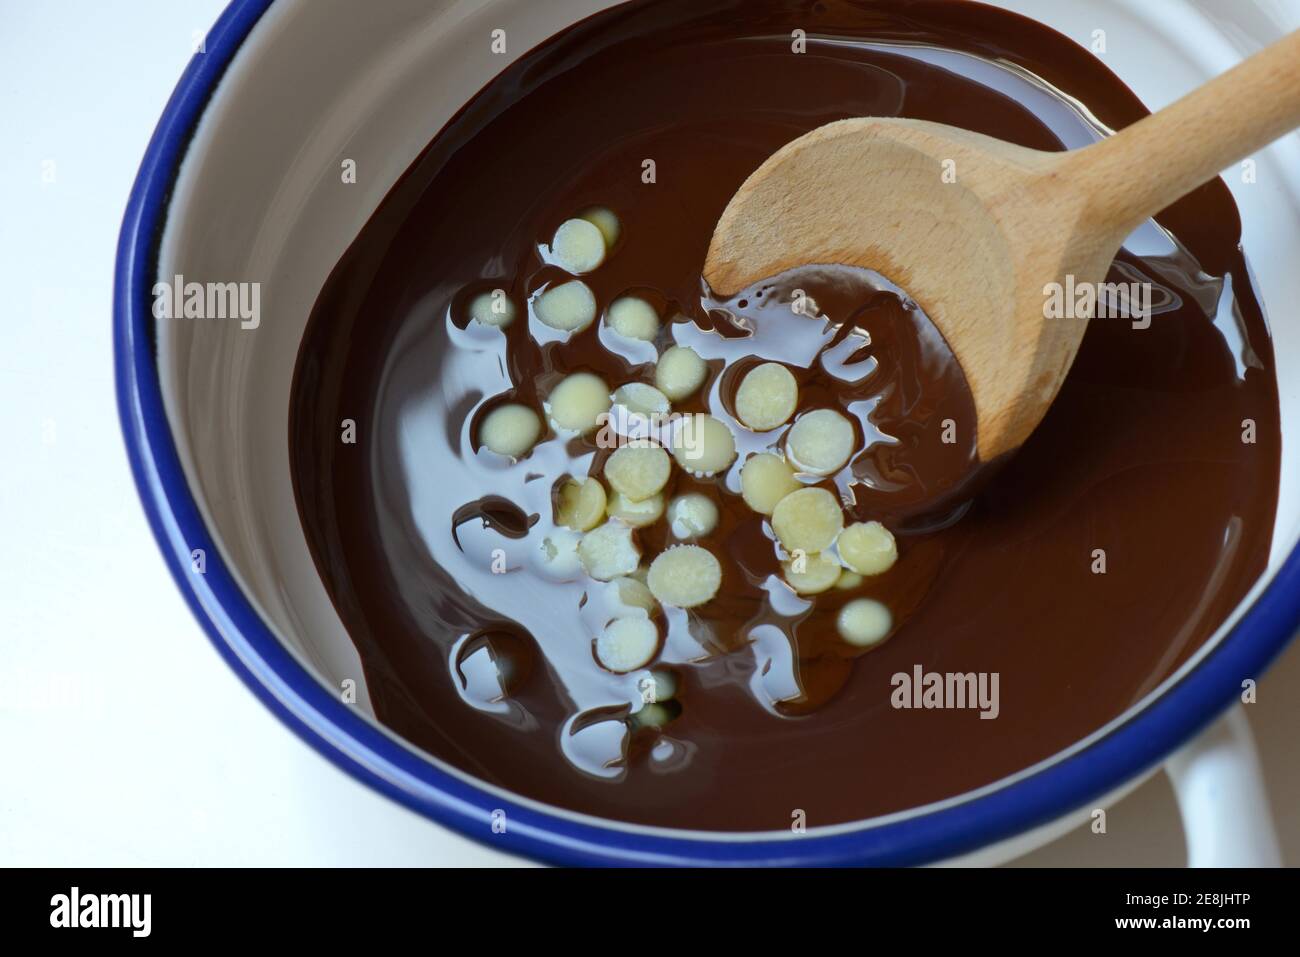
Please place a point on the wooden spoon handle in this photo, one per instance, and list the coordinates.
(1144, 168)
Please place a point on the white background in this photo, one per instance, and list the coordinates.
(124, 739)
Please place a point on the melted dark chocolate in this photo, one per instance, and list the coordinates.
(1141, 455)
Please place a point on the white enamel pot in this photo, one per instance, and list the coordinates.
(241, 181)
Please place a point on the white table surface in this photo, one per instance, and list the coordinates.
(124, 738)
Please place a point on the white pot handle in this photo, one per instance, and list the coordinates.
(1220, 790)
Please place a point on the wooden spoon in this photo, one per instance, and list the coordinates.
(977, 253)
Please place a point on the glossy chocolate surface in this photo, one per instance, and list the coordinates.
(1141, 456)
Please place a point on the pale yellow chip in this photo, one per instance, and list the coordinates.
(864, 622)
(569, 307)
(638, 514)
(808, 520)
(511, 430)
(609, 552)
(662, 687)
(638, 471)
(692, 515)
(606, 221)
(634, 318)
(680, 372)
(578, 402)
(627, 644)
(849, 581)
(820, 442)
(685, 576)
(702, 445)
(811, 574)
(767, 397)
(580, 505)
(765, 479)
(652, 715)
(867, 548)
(493, 309)
(578, 247)
(642, 398)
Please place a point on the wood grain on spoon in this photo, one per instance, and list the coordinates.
(977, 253)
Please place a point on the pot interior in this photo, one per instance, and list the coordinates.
(320, 89)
